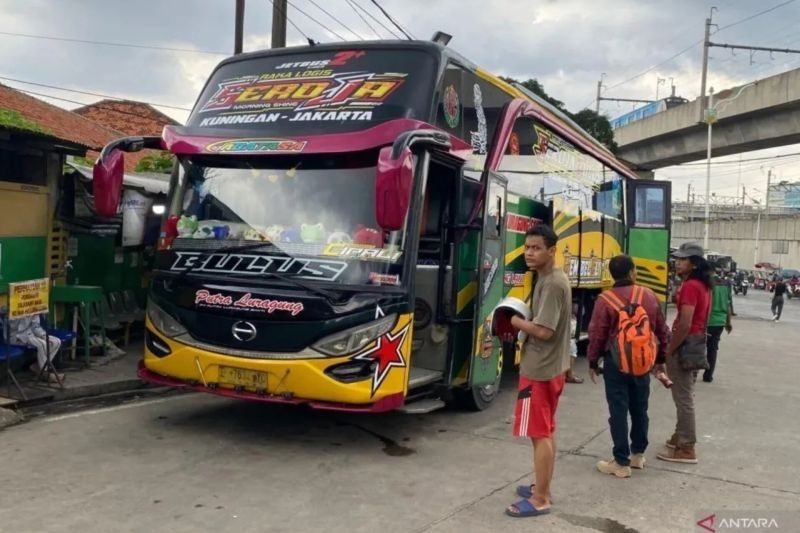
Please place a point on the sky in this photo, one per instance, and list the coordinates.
(566, 44)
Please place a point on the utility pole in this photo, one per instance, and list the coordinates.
(766, 217)
(599, 89)
(766, 201)
(704, 75)
(279, 23)
(238, 34)
(744, 197)
(688, 192)
(659, 83)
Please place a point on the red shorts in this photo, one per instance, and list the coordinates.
(535, 412)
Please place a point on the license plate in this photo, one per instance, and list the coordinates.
(244, 378)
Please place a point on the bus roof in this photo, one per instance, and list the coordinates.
(436, 49)
(444, 54)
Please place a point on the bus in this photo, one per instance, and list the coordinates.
(343, 219)
(722, 261)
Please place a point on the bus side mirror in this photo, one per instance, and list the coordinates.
(395, 177)
(109, 169)
(107, 182)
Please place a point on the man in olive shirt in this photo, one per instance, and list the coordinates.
(545, 359)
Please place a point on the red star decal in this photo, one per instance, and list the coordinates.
(387, 353)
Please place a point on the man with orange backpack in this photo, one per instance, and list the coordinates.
(629, 330)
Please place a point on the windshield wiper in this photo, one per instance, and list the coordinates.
(331, 298)
(251, 246)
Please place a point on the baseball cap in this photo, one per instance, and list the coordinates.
(688, 249)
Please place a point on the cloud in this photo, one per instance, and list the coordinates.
(565, 44)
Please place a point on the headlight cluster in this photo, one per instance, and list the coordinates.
(163, 321)
(353, 339)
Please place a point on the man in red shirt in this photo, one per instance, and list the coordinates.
(625, 393)
(693, 302)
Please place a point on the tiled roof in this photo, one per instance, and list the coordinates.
(26, 113)
(131, 118)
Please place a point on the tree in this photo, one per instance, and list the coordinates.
(533, 85)
(161, 162)
(596, 125)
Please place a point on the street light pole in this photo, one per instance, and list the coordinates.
(766, 217)
(758, 238)
(710, 121)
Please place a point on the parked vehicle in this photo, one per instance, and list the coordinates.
(793, 287)
(761, 278)
(344, 218)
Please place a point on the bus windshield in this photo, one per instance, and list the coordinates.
(315, 216)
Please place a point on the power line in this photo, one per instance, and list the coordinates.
(370, 15)
(90, 93)
(656, 65)
(336, 19)
(315, 20)
(286, 16)
(108, 43)
(683, 51)
(350, 3)
(396, 22)
(751, 17)
(736, 162)
(388, 16)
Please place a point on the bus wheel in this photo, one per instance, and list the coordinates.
(477, 398)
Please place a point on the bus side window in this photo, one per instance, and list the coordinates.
(650, 209)
(435, 214)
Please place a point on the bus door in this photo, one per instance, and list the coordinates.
(476, 357)
(487, 353)
(649, 220)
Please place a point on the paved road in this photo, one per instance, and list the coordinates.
(198, 463)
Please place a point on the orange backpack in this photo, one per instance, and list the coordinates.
(634, 350)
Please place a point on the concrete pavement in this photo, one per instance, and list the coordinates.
(199, 463)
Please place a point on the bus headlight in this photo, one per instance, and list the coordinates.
(353, 339)
(163, 321)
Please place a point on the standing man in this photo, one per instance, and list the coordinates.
(689, 333)
(625, 393)
(545, 359)
(719, 319)
(777, 298)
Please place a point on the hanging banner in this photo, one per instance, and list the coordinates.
(135, 206)
(27, 298)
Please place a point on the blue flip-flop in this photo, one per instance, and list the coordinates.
(526, 491)
(526, 509)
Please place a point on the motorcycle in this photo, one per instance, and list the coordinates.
(793, 291)
(744, 286)
(741, 286)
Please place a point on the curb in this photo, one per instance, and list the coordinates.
(98, 389)
(8, 418)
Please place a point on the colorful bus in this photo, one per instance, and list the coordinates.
(343, 219)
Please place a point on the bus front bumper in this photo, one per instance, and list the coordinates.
(387, 403)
